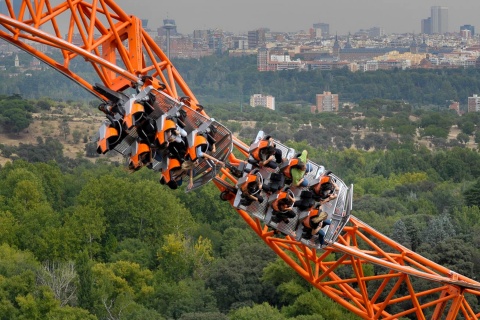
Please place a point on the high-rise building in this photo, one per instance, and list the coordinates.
(376, 32)
(325, 102)
(439, 17)
(468, 27)
(256, 38)
(321, 29)
(427, 26)
(474, 103)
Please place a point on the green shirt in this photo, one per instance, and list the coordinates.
(298, 174)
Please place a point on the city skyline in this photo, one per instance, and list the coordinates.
(343, 16)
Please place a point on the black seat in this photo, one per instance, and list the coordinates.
(306, 200)
(276, 182)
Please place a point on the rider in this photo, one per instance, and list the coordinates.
(296, 168)
(266, 154)
(325, 190)
(173, 175)
(283, 207)
(201, 144)
(314, 223)
(251, 189)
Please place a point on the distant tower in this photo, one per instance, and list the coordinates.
(17, 61)
(262, 59)
(169, 25)
(427, 26)
(413, 45)
(423, 48)
(348, 45)
(439, 17)
(336, 48)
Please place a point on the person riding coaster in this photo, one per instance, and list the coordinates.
(264, 153)
(109, 135)
(282, 206)
(172, 136)
(198, 146)
(173, 173)
(287, 167)
(165, 125)
(325, 189)
(313, 224)
(140, 155)
(251, 188)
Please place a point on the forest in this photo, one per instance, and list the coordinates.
(90, 240)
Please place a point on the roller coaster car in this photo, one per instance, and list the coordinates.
(109, 135)
(140, 155)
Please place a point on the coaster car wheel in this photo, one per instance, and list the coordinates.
(226, 195)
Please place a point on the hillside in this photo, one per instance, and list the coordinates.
(68, 122)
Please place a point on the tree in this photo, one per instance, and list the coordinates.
(440, 230)
(315, 303)
(463, 137)
(87, 224)
(64, 128)
(77, 135)
(60, 278)
(180, 257)
(187, 296)
(118, 286)
(85, 281)
(472, 195)
(434, 131)
(453, 254)
(399, 233)
(467, 126)
(259, 311)
(133, 209)
(234, 278)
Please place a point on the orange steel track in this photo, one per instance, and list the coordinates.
(364, 271)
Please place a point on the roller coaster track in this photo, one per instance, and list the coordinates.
(122, 54)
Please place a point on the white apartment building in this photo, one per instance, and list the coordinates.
(260, 100)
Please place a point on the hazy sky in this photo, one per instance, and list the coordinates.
(394, 16)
